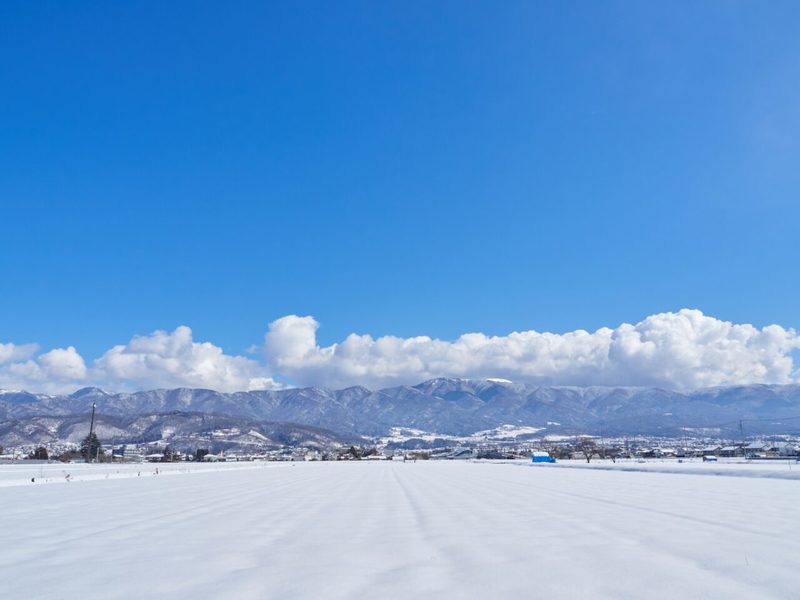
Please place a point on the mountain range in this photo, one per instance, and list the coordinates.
(181, 430)
(448, 406)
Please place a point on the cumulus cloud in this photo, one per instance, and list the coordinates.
(54, 371)
(62, 363)
(159, 360)
(173, 359)
(16, 352)
(682, 350)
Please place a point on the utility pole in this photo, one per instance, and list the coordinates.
(91, 431)
(744, 441)
(602, 442)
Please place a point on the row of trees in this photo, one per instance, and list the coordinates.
(90, 450)
(586, 447)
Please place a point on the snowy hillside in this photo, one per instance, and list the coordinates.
(180, 429)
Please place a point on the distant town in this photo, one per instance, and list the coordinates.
(225, 445)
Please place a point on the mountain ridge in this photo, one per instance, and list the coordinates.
(449, 405)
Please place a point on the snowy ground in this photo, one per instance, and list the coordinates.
(393, 529)
(730, 467)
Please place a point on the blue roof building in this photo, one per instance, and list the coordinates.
(542, 457)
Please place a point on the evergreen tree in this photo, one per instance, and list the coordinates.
(90, 447)
(39, 454)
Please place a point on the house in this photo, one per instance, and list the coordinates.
(541, 457)
(730, 451)
(783, 449)
(453, 454)
(129, 453)
(648, 453)
(657, 453)
(756, 449)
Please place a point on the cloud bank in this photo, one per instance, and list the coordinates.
(681, 350)
(159, 360)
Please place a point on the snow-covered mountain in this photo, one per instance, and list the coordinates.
(451, 406)
(178, 429)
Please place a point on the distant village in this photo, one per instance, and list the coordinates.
(217, 447)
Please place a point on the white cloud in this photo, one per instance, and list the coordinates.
(58, 370)
(173, 359)
(16, 352)
(62, 363)
(159, 360)
(681, 350)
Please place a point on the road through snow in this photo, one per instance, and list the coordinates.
(393, 529)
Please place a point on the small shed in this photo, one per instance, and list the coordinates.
(542, 457)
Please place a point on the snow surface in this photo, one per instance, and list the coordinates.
(393, 529)
(736, 467)
(502, 432)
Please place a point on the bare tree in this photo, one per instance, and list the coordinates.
(614, 453)
(554, 449)
(587, 447)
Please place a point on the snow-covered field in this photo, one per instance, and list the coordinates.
(730, 467)
(394, 529)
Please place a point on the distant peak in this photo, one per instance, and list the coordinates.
(442, 380)
(356, 388)
(89, 391)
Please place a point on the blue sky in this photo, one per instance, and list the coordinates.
(394, 168)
